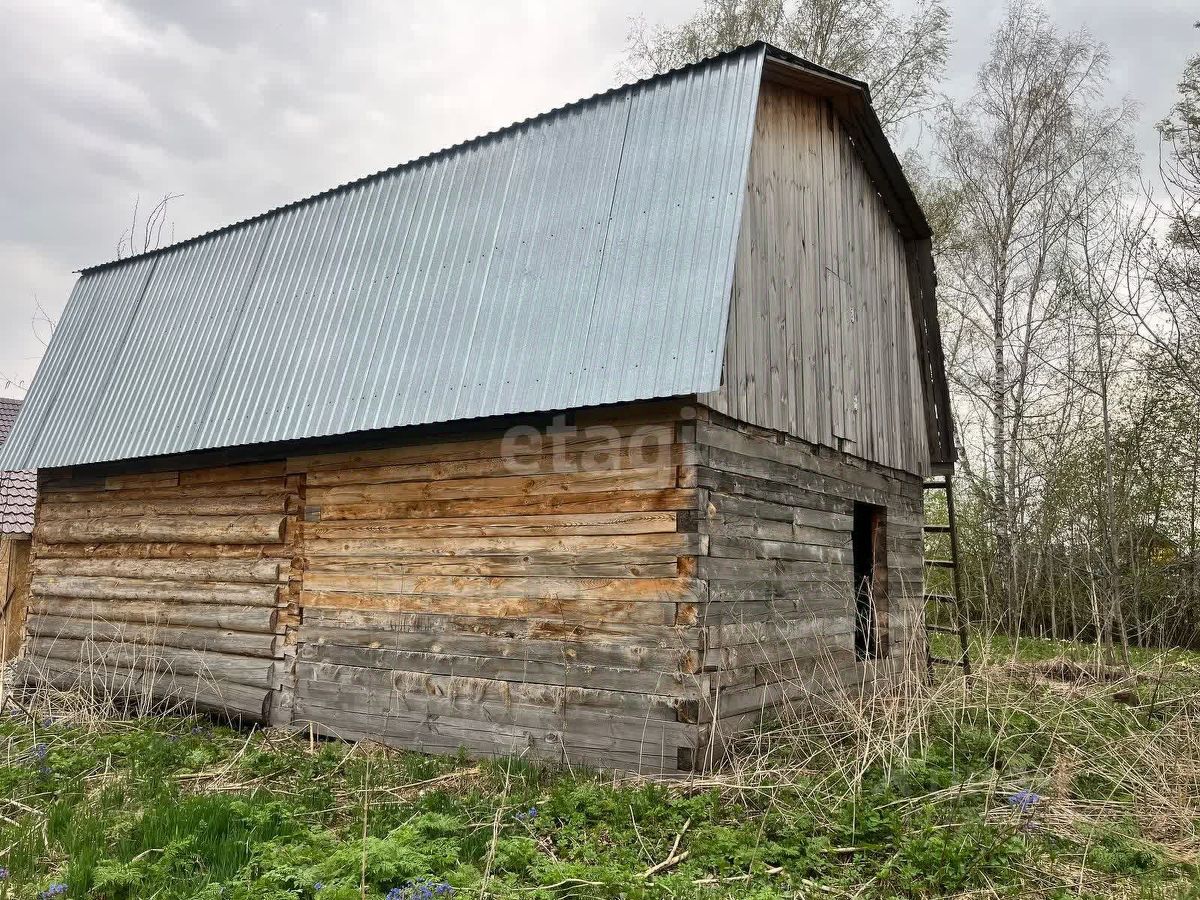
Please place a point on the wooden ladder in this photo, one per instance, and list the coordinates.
(949, 601)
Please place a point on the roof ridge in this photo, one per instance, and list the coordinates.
(445, 151)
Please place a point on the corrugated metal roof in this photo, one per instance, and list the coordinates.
(18, 490)
(578, 258)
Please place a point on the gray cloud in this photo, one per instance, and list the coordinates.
(243, 106)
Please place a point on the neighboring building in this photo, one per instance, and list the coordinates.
(590, 438)
(18, 496)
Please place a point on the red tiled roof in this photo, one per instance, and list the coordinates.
(18, 490)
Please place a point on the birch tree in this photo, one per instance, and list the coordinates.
(1021, 154)
(901, 57)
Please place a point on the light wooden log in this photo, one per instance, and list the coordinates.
(242, 643)
(167, 551)
(51, 509)
(413, 688)
(214, 667)
(221, 696)
(581, 439)
(258, 471)
(377, 626)
(615, 564)
(673, 543)
(260, 571)
(250, 529)
(628, 723)
(141, 480)
(122, 589)
(200, 615)
(644, 479)
(606, 460)
(331, 663)
(568, 611)
(202, 492)
(603, 502)
(498, 526)
(544, 587)
(334, 642)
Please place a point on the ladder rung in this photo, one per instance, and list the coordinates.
(942, 563)
(941, 629)
(937, 485)
(943, 661)
(941, 598)
(937, 529)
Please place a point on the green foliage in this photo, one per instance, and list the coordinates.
(176, 809)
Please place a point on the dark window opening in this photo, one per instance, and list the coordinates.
(870, 581)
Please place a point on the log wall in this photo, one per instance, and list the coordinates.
(177, 580)
(616, 591)
(535, 599)
(776, 520)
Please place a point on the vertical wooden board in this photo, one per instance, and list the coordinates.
(818, 346)
(831, 309)
(777, 241)
(873, 355)
(821, 429)
(804, 322)
(14, 594)
(905, 348)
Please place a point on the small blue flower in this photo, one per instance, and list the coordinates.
(1023, 800)
(53, 890)
(528, 814)
(3, 874)
(317, 886)
(40, 751)
(421, 889)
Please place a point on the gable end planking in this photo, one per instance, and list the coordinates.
(822, 336)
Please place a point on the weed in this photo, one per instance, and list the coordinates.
(1014, 783)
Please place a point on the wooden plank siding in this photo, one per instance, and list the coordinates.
(821, 340)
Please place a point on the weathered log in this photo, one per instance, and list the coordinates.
(124, 589)
(256, 529)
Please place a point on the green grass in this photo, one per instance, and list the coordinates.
(903, 796)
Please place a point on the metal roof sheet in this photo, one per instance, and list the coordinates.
(578, 258)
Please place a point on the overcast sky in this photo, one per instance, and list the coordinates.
(240, 105)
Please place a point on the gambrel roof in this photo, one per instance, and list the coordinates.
(578, 258)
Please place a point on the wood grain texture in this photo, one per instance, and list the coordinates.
(14, 593)
(822, 341)
(455, 596)
(779, 616)
(171, 583)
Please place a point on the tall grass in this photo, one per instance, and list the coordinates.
(1046, 774)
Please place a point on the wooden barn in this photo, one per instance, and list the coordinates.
(591, 438)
